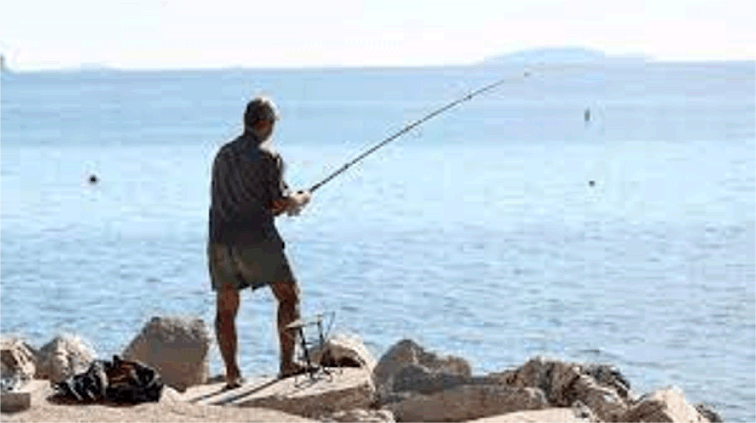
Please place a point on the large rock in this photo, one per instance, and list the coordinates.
(15, 401)
(176, 347)
(360, 415)
(19, 359)
(609, 376)
(343, 350)
(581, 411)
(171, 408)
(604, 402)
(408, 352)
(421, 386)
(63, 357)
(665, 405)
(709, 413)
(419, 379)
(467, 402)
(602, 388)
(551, 376)
(562, 415)
(342, 389)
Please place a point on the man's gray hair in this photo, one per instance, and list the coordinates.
(260, 108)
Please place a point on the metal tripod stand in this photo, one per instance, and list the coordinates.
(317, 341)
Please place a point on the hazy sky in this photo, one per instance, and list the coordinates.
(281, 33)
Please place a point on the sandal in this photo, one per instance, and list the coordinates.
(297, 369)
(237, 382)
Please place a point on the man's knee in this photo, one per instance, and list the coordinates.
(227, 303)
(287, 293)
(223, 316)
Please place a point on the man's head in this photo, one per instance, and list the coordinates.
(259, 117)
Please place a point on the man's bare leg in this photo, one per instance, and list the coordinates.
(227, 305)
(287, 294)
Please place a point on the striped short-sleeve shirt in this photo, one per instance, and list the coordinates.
(247, 178)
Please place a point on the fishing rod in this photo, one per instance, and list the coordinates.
(412, 125)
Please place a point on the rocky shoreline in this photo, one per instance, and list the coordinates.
(407, 383)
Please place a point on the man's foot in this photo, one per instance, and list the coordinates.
(294, 369)
(235, 382)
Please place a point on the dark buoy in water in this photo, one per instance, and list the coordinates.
(93, 179)
(587, 115)
(591, 183)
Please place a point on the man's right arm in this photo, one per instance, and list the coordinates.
(282, 199)
(280, 206)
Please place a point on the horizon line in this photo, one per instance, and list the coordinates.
(485, 63)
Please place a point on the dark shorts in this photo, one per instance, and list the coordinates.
(248, 266)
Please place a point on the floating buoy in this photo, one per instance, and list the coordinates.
(591, 183)
(587, 115)
(93, 179)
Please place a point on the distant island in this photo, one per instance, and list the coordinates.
(561, 55)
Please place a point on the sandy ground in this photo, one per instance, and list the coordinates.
(562, 415)
(171, 408)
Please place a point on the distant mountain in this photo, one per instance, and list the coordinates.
(560, 55)
(93, 67)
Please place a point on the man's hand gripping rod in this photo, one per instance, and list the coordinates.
(410, 127)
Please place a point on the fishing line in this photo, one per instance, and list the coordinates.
(417, 123)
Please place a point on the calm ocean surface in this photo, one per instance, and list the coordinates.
(477, 234)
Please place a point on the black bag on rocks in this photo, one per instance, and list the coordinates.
(89, 386)
(118, 381)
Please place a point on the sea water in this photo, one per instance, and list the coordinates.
(478, 234)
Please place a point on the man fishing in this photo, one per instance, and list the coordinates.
(245, 248)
